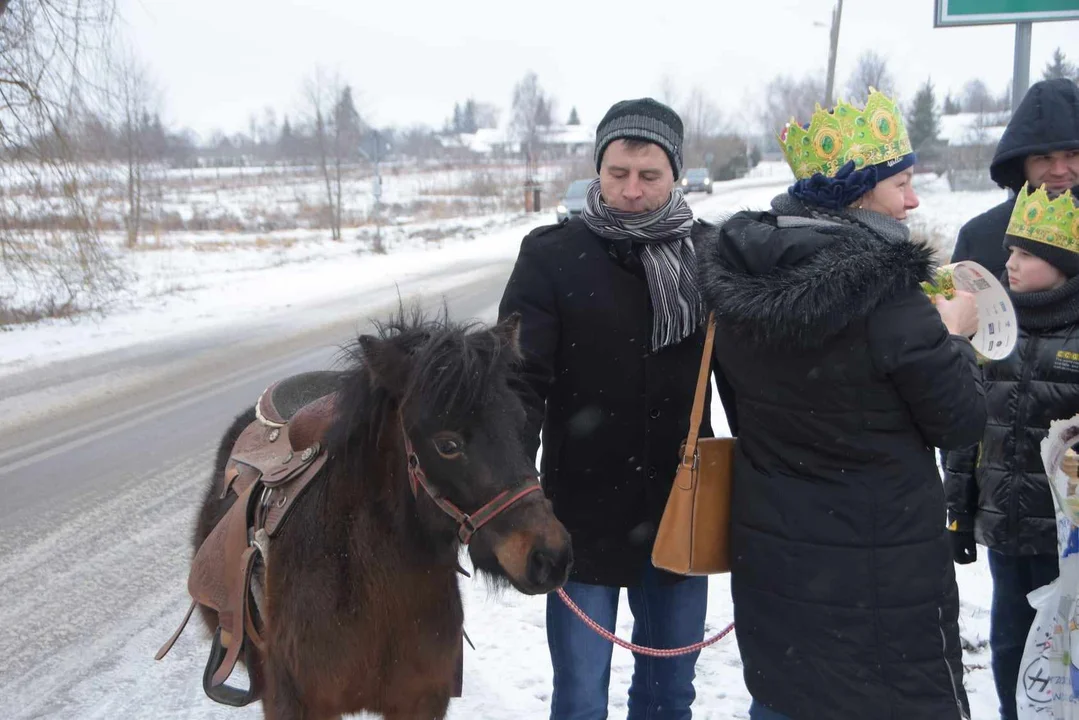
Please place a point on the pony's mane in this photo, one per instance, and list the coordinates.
(451, 367)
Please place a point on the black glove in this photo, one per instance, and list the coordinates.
(964, 549)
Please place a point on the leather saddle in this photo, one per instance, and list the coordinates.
(271, 464)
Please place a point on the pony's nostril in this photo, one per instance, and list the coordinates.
(542, 567)
(547, 568)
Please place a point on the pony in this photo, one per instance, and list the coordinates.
(358, 599)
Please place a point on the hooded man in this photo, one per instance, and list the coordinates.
(1039, 146)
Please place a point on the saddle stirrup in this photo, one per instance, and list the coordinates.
(222, 693)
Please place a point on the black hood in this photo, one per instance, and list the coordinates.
(800, 286)
(1046, 120)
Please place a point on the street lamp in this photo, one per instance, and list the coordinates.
(833, 49)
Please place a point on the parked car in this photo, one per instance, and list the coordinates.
(572, 203)
(697, 180)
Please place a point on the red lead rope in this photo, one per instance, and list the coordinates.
(651, 652)
(469, 524)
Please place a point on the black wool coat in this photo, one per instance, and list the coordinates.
(613, 413)
(845, 599)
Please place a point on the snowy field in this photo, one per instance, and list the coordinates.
(197, 285)
(260, 200)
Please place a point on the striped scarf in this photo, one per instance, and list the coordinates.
(670, 264)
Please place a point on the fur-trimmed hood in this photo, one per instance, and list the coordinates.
(799, 286)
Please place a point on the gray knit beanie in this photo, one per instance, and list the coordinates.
(643, 119)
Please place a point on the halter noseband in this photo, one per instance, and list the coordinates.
(467, 524)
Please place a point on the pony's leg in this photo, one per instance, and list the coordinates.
(282, 699)
(429, 706)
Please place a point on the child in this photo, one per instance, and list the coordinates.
(998, 494)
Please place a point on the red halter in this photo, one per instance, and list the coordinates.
(467, 524)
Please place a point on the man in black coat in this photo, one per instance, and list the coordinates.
(611, 332)
(1039, 146)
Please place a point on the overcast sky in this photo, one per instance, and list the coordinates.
(218, 61)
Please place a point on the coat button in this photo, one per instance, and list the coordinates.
(654, 413)
(651, 472)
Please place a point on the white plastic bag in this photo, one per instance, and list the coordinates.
(1048, 687)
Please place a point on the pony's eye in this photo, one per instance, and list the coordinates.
(449, 448)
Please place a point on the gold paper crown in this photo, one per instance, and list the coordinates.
(835, 137)
(1053, 222)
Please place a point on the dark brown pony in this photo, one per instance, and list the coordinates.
(361, 607)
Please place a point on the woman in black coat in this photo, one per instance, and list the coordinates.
(846, 377)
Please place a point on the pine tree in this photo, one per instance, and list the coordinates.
(349, 127)
(468, 117)
(951, 106)
(543, 113)
(1059, 67)
(573, 118)
(923, 123)
(457, 122)
(158, 139)
(286, 143)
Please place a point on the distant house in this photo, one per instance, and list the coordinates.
(570, 141)
(489, 141)
(970, 140)
(558, 141)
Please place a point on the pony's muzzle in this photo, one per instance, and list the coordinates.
(534, 562)
(548, 568)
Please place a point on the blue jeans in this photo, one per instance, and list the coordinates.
(1014, 576)
(761, 712)
(664, 616)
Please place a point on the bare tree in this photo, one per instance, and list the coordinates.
(871, 71)
(702, 121)
(951, 106)
(133, 97)
(967, 159)
(486, 115)
(786, 98)
(322, 93)
(977, 98)
(531, 110)
(269, 134)
(1004, 100)
(419, 142)
(47, 48)
(668, 90)
(347, 131)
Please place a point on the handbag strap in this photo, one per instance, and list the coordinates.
(689, 456)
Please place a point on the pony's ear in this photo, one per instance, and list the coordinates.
(508, 332)
(385, 361)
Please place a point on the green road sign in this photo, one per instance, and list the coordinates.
(987, 12)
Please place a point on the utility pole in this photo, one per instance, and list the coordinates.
(376, 190)
(1021, 66)
(833, 50)
(376, 186)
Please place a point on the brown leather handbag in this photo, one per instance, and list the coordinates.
(694, 534)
